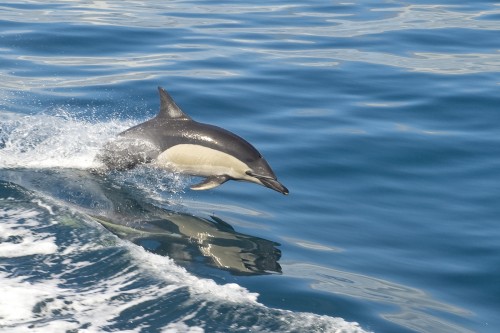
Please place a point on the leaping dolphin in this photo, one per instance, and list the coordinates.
(175, 142)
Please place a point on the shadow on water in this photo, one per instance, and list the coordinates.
(182, 236)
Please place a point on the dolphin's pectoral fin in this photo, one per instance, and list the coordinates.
(210, 182)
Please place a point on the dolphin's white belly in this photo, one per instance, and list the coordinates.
(201, 161)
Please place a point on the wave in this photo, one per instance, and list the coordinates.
(65, 271)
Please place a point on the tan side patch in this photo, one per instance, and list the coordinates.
(201, 161)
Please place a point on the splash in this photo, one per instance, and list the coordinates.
(61, 142)
(54, 141)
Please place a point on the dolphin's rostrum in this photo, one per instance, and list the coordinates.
(173, 141)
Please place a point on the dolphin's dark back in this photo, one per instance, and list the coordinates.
(166, 133)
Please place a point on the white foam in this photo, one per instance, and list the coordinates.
(44, 205)
(181, 327)
(166, 268)
(19, 295)
(54, 141)
(94, 306)
(17, 238)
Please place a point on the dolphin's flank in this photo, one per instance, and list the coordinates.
(175, 142)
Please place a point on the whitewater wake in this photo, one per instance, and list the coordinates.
(63, 271)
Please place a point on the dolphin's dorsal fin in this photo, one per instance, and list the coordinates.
(168, 108)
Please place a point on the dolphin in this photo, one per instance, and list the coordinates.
(175, 142)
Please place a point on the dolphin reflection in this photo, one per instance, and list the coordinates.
(187, 238)
(181, 236)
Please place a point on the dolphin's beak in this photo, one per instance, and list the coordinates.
(269, 182)
(274, 185)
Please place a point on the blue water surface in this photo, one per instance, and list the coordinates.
(382, 118)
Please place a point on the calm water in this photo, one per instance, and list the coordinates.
(382, 118)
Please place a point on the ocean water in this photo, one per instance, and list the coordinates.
(382, 118)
